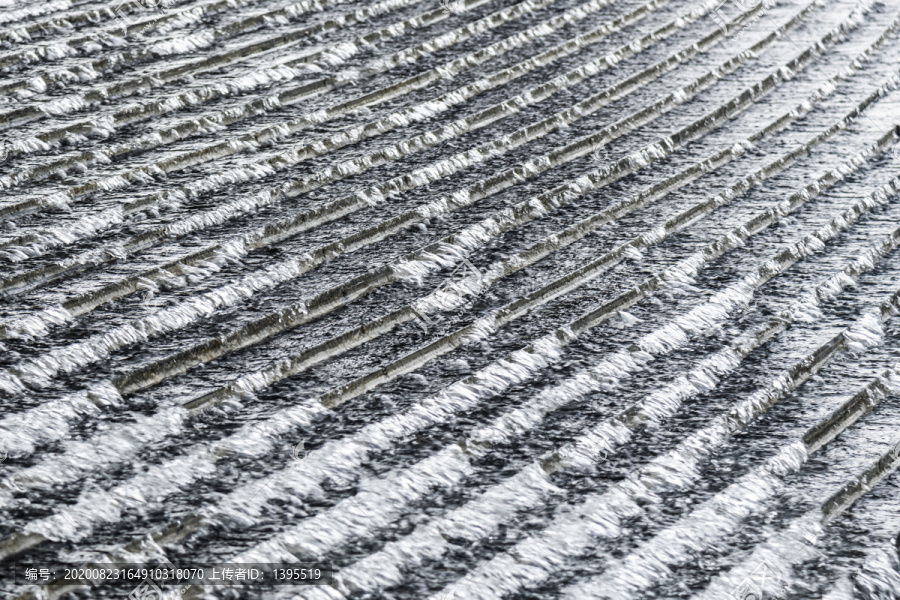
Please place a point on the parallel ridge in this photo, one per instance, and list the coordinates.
(590, 250)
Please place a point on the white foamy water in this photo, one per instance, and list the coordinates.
(419, 288)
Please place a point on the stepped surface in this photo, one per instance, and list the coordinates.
(467, 299)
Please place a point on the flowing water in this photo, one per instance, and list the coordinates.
(471, 299)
